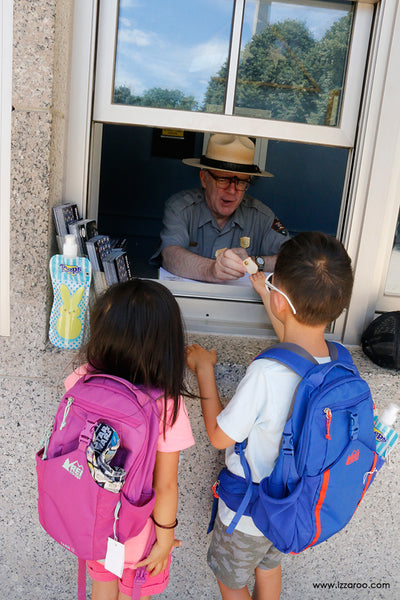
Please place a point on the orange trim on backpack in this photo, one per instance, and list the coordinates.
(318, 507)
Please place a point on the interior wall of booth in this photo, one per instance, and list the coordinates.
(140, 170)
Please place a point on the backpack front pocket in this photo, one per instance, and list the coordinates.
(72, 505)
(320, 505)
(344, 485)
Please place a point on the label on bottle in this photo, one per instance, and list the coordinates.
(385, 436)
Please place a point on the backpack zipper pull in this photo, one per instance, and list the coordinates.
(328, 414)
(46, 440)
(116, 517)
(66, 411)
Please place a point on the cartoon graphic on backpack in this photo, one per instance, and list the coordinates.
(79, 512)
(327, 458)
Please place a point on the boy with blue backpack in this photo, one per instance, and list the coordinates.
(279, 490)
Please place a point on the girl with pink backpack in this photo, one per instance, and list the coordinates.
(137, 335)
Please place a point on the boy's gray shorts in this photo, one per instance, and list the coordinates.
(233, 558)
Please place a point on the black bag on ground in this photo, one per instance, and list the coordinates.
(381, 340)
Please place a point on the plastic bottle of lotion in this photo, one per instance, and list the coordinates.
(70, 276)
(386, 436)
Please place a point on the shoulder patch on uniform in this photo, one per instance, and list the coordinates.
(277, 226)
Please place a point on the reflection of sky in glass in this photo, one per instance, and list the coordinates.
(180, 45)
(318, 18)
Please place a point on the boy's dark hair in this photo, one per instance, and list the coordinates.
(315, 271)
(137, 333)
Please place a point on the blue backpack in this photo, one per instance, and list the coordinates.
(327, 458)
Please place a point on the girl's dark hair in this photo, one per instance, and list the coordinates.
(137, 333)
(315, 271)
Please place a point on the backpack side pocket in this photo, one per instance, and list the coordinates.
(134, 516)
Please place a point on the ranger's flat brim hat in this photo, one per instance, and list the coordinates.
(232, 153)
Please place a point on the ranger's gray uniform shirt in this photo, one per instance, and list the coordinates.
(189, 223)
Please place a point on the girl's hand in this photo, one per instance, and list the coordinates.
(197, 357)
(258, 283)
(157, 560)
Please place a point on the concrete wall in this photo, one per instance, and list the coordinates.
(33, 567)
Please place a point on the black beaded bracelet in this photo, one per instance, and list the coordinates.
(164, 526)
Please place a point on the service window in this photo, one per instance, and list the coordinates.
(288, 74)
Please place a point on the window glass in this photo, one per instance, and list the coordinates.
(169, 52)
(291, 66)
(293, 60)
(393, 277)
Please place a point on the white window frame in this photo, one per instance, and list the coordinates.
(375, 189)
(343, 135)
(6, 29)
(80, 104)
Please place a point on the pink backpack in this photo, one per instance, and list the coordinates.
(74, 510)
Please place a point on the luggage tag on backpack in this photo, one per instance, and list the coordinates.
(115, 557)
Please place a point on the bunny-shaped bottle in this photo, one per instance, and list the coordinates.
(70, 276)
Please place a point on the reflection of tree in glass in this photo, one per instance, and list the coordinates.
(123, 95)
(285, 74)
(281, 85)
(155, 97)
(327, 63)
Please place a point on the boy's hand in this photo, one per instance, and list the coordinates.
(258, 283)
(197, 357)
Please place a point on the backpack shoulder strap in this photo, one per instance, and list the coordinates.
(299, 360)
(339, 352)
(291, 355)
(142, 394)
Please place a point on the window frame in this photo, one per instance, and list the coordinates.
(343, 135)
(375, 189)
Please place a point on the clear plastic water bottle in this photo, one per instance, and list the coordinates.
(100, 453)
(386, 436)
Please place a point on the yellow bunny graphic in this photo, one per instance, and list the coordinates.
(68, 325)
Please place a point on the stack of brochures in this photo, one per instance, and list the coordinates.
(116, 266)
(64, 215)
(98, 247)
(84, 230)
(107, 256)
(67, 220)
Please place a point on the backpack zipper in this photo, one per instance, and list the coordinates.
(66, 411)
(328, 414)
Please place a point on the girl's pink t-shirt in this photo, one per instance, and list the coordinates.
(178, 437)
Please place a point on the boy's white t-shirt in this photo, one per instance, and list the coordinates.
(258, 411)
